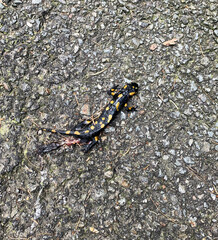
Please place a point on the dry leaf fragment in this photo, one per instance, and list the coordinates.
(125, 184)
(92, 229)
(153, 46)
(3, 3)
(6, 86)
(170, 42)
(85, 110)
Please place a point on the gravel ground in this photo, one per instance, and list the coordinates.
(154, 176)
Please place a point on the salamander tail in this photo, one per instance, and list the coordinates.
(63, 132)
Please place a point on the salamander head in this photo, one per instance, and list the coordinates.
(135, 86)
(132, 88)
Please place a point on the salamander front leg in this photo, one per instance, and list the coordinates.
(130, 109)
(114, 90)
(90, 144)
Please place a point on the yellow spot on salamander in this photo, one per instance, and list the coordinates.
(102, 125)
(132, 93)
(117, 106)
(96, 138)
(88, 121)
(112, 90)
(125, 105)
(96, 122)
(92, 127)
(53, 130)
(109, 118)
(120, 95)
(107, 108)
(125, 87)
(87, 131)
(113, 93)
(112, 101)
(67, 132)
(77, 132)
(103, 118)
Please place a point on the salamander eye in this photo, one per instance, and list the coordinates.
(134, 86)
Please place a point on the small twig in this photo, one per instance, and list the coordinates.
(174, 104)
(77, 226)
(215, 189)
(174, 83)
(213, 141)
(126, 152)
(205, 93)
(170, 219)
(154, 202)
(76, 99)
(18, 238)
(97, 114)
(88, 195)
(201, 48)
(145, 168)
(94, 74)
(160, 95)
(34, 221)
(33, 122)
(96, 43)
(195, 173)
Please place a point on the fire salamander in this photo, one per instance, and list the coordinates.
(87, 132)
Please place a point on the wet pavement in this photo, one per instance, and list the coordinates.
(154, 174)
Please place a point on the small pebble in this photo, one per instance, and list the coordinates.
(193, 86)
(108, 174)
(85, 109)
(206, 147)
(188, 160)
(36, 1)
(205, 61)
(181, 188)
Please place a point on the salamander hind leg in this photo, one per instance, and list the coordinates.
(48, 148)
(90, 144)
(82, 124)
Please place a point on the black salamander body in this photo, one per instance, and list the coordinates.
(88, 131)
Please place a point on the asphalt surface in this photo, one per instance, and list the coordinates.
(154, 175)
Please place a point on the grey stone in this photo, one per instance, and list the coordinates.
(200, 78)
(216, 32)
(184, 20)
(36, 1)
(174, 199)
(190, 142)
(206, 147)
(137, 42)
(182, 188)
(205, 61)
(108, 174)
(202, 97)
(188, 160)
(193, 86)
